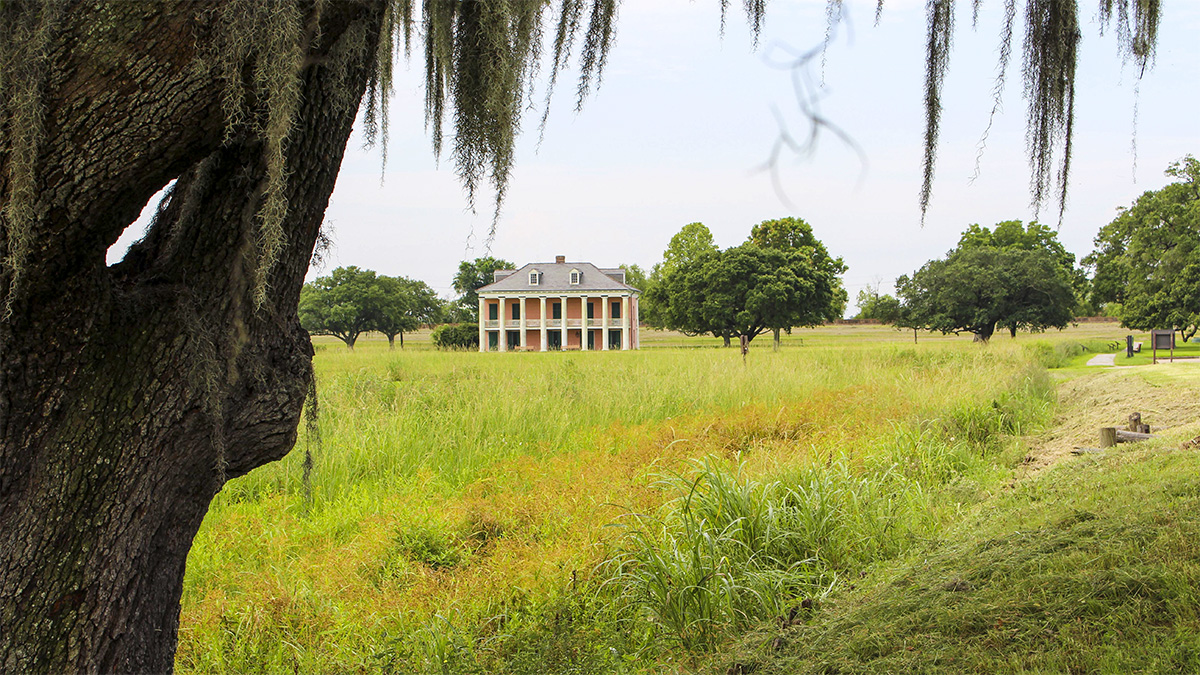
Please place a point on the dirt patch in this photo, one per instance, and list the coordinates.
(1165, 395)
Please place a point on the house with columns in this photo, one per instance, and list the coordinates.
(558, 305)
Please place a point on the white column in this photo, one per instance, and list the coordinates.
(604, 311)
(523, 338)
(583, 332)
(543, 329)
(563, 326)
(635, 324)
(482, 329)
(625, 322)
(502, 342)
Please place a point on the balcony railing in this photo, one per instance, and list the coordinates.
(533, 323)
(553, 323)
(599, 323)
(574, 323)
(491, 323)
(512, 323)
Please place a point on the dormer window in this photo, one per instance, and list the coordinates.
(576, 275)
(534, 277)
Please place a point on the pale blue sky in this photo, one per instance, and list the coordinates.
(683, 120)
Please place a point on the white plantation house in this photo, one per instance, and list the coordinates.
(558, 305)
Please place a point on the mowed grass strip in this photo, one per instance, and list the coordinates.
(455, 494)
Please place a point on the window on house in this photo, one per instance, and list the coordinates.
(616, 310)
(575, 277)
(493, 312)
(591, 313)
(516, 311)
(534, 277)
(556, 310)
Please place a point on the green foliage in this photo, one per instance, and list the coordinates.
(882, 308)
(456, 336)
(407, 304)
(747, 289)
(351, 301)
(1148, 258)
(473, 275)
(395, 309)
(1013, 235)
(785, 234)
(687, 247)
(344, 304)
(636, 276)
(979, 287)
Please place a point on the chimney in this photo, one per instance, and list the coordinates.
(560, 259)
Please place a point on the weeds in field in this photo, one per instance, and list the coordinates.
(459, 503)
(730, 551)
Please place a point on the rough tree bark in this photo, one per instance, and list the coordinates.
(130, 394)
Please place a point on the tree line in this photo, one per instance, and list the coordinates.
(1145, 270)
(351, 301)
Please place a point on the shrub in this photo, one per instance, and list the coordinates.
(456, 336)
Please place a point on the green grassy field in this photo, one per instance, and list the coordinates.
(602, 512)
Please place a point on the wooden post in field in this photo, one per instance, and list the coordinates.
(745, 347)
(1135, 421)
(1108, 437)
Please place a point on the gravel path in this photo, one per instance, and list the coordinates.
(1103, 360)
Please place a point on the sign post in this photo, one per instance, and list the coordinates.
(1162, 339)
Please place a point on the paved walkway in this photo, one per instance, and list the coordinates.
(1103, 360)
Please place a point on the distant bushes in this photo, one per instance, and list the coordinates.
(456, 336)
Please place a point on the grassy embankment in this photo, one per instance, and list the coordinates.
(1087, 565)
(460, 502)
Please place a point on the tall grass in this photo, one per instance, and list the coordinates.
(730, 551)
(460, 502)
(386, 416)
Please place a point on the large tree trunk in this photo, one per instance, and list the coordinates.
(130, 394)
(984, 333)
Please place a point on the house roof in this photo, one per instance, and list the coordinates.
(555, 277)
